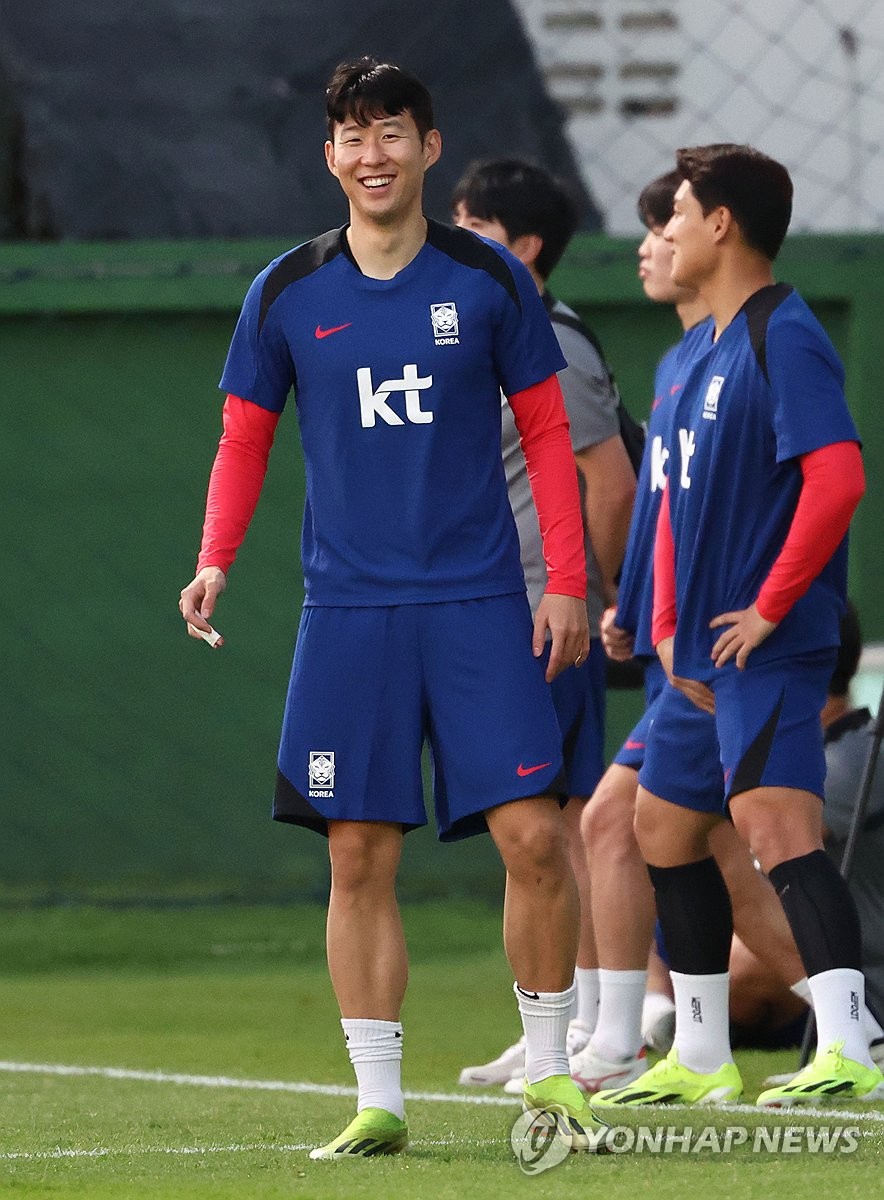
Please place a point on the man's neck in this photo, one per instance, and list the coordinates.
(383, 251)
(728, 289)
(692, 312)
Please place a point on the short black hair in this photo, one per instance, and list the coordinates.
(757, 190)
(525, 198)
(849, 652)
(655, 200)
(366, 88)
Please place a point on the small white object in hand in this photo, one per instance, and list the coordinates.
(213, 637)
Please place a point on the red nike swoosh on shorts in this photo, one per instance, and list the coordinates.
(523, 771)
(629, 744)
(319, 332)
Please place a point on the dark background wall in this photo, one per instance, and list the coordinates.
(206, 118)
(135, 761)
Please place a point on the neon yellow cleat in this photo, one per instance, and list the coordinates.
(830, 1076)
(561, 1098)
(372, 1131)
(670, 1083)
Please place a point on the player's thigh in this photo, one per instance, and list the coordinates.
(768, 723)
(492, 725)
(682, 762)
(352, 729)
(579, 697)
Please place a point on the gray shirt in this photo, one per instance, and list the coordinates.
(591, 403)
(847, 751)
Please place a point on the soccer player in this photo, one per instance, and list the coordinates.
(519, 205)
(749, 582)
(623, 903)
(397, 335)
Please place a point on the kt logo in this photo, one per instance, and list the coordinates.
(373, 404)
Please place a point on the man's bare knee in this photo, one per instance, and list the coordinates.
(364, 855)
(533, 844)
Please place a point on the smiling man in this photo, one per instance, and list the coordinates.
(397, 335)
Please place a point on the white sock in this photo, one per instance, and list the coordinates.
(702, 1031)
(618, 1032)
(375, 1049)
(545, 1017)
(586, 980)
(873, 1027)
(839, 1003)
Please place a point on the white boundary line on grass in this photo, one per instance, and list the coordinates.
(226, 1081)
(332, 1089)
(127, 1151)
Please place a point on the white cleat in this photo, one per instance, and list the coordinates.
(594, 1074)
(579, 1034)
(500, 1070)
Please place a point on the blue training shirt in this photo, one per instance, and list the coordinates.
(397, 384)
(635, 593)
(769, 390)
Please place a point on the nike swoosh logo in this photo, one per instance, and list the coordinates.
(523, 771)
(629, 744)
(528, 995)
(319, 332)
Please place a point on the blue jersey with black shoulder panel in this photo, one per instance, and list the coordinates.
(397, 385)
(635, 593)
(769, 390)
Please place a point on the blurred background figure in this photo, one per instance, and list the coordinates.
(521, 206)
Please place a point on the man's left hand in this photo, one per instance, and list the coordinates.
(565, 618)
(748, 629)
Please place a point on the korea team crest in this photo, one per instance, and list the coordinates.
(321, 773)
(710, 401)
(445, 324)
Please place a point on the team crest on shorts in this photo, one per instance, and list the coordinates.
(445, 327)
(321, 773)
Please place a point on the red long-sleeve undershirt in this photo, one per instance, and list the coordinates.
(833, 483)
(236, 480)
(664, 610)
(539, 411)
(542, 422)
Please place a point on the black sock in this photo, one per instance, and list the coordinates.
(821, 912)
(694, 908)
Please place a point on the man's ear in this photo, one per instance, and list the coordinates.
(722, 222)
(432, 148)
(527, 247)
(330, 157)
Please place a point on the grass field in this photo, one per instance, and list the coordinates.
(169, 1021)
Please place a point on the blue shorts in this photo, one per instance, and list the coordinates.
(682, 760)
(579, 697)
(370, 685)
(632, 752)
(768, 720)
